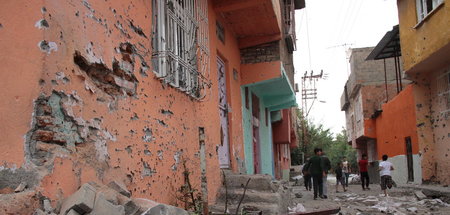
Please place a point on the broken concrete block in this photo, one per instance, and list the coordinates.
(412, 209)
(47, 206)
(21, 187)
(119, 187)
(72, 212)
(102, 206)
(131, 208)
(419, 194)
(108, 194)
(81, 201)
(145, 204)
(163, 209)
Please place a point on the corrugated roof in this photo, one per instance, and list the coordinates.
(388, 47)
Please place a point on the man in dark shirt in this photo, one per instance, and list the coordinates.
(316, 171)
(326, 165)
(364, 173)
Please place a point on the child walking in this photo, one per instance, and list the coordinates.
(339, 177)
(385, 169)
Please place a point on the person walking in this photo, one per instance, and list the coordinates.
(339, 177)
(385, 169)
(316, 171)
(363, 163)
(307, 176)
(326, 164)
(346, 170)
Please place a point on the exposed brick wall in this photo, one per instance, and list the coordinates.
(263, 53)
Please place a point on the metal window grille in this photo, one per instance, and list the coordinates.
(443, 93)
(180, 44)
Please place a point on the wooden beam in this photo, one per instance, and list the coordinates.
(233, 5)
(258, 40)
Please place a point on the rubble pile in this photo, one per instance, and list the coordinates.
(398, 203)
(113, 199)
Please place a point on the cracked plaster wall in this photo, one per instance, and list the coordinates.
(80, 102)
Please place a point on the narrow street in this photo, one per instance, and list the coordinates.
(400, 200)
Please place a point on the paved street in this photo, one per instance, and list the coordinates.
(356, 201)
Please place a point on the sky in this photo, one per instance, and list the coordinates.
(325, 30)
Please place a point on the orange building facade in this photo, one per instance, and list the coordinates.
(114, 90)
(380, 115)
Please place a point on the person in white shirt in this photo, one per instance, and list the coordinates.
(385, 169)
(345, 170)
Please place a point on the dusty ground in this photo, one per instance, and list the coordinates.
(358, 202)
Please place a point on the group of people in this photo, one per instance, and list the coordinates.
(316, 169)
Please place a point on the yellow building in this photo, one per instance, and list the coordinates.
(425, 47)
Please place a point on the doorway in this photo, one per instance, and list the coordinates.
(256, 139)
(409, 159)
(224, 149)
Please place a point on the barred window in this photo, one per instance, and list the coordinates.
(180, 43)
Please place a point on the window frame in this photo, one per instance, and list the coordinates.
(422, 10)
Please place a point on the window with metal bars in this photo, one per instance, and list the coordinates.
(424, 7)
(180, 43)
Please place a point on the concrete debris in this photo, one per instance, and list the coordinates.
(119, 187)
(298, 208)
(419, 194)
(412, 209)
(163, 209)
(102, 206)
(72, 212)
(47, 206)
(81, 201)
(112, 199)
(21, 187)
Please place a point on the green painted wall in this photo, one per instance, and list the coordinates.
(266, 143)
(247, 128)
(265, 133)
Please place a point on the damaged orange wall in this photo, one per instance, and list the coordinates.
(229, 52)
(397, 121)
(141, 138)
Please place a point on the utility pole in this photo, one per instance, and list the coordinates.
(309, 92)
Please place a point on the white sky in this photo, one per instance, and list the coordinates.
(332, 24)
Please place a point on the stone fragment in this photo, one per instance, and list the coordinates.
(47, 206)
(412, 209)
(163, 209)
(21, 187)
(419, 194)
(119, 187)
(102, 206)
(72, 212)
(81, 201)
(131, 208)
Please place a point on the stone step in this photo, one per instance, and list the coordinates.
(257, 182)
(272, 209)
(234, 195)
